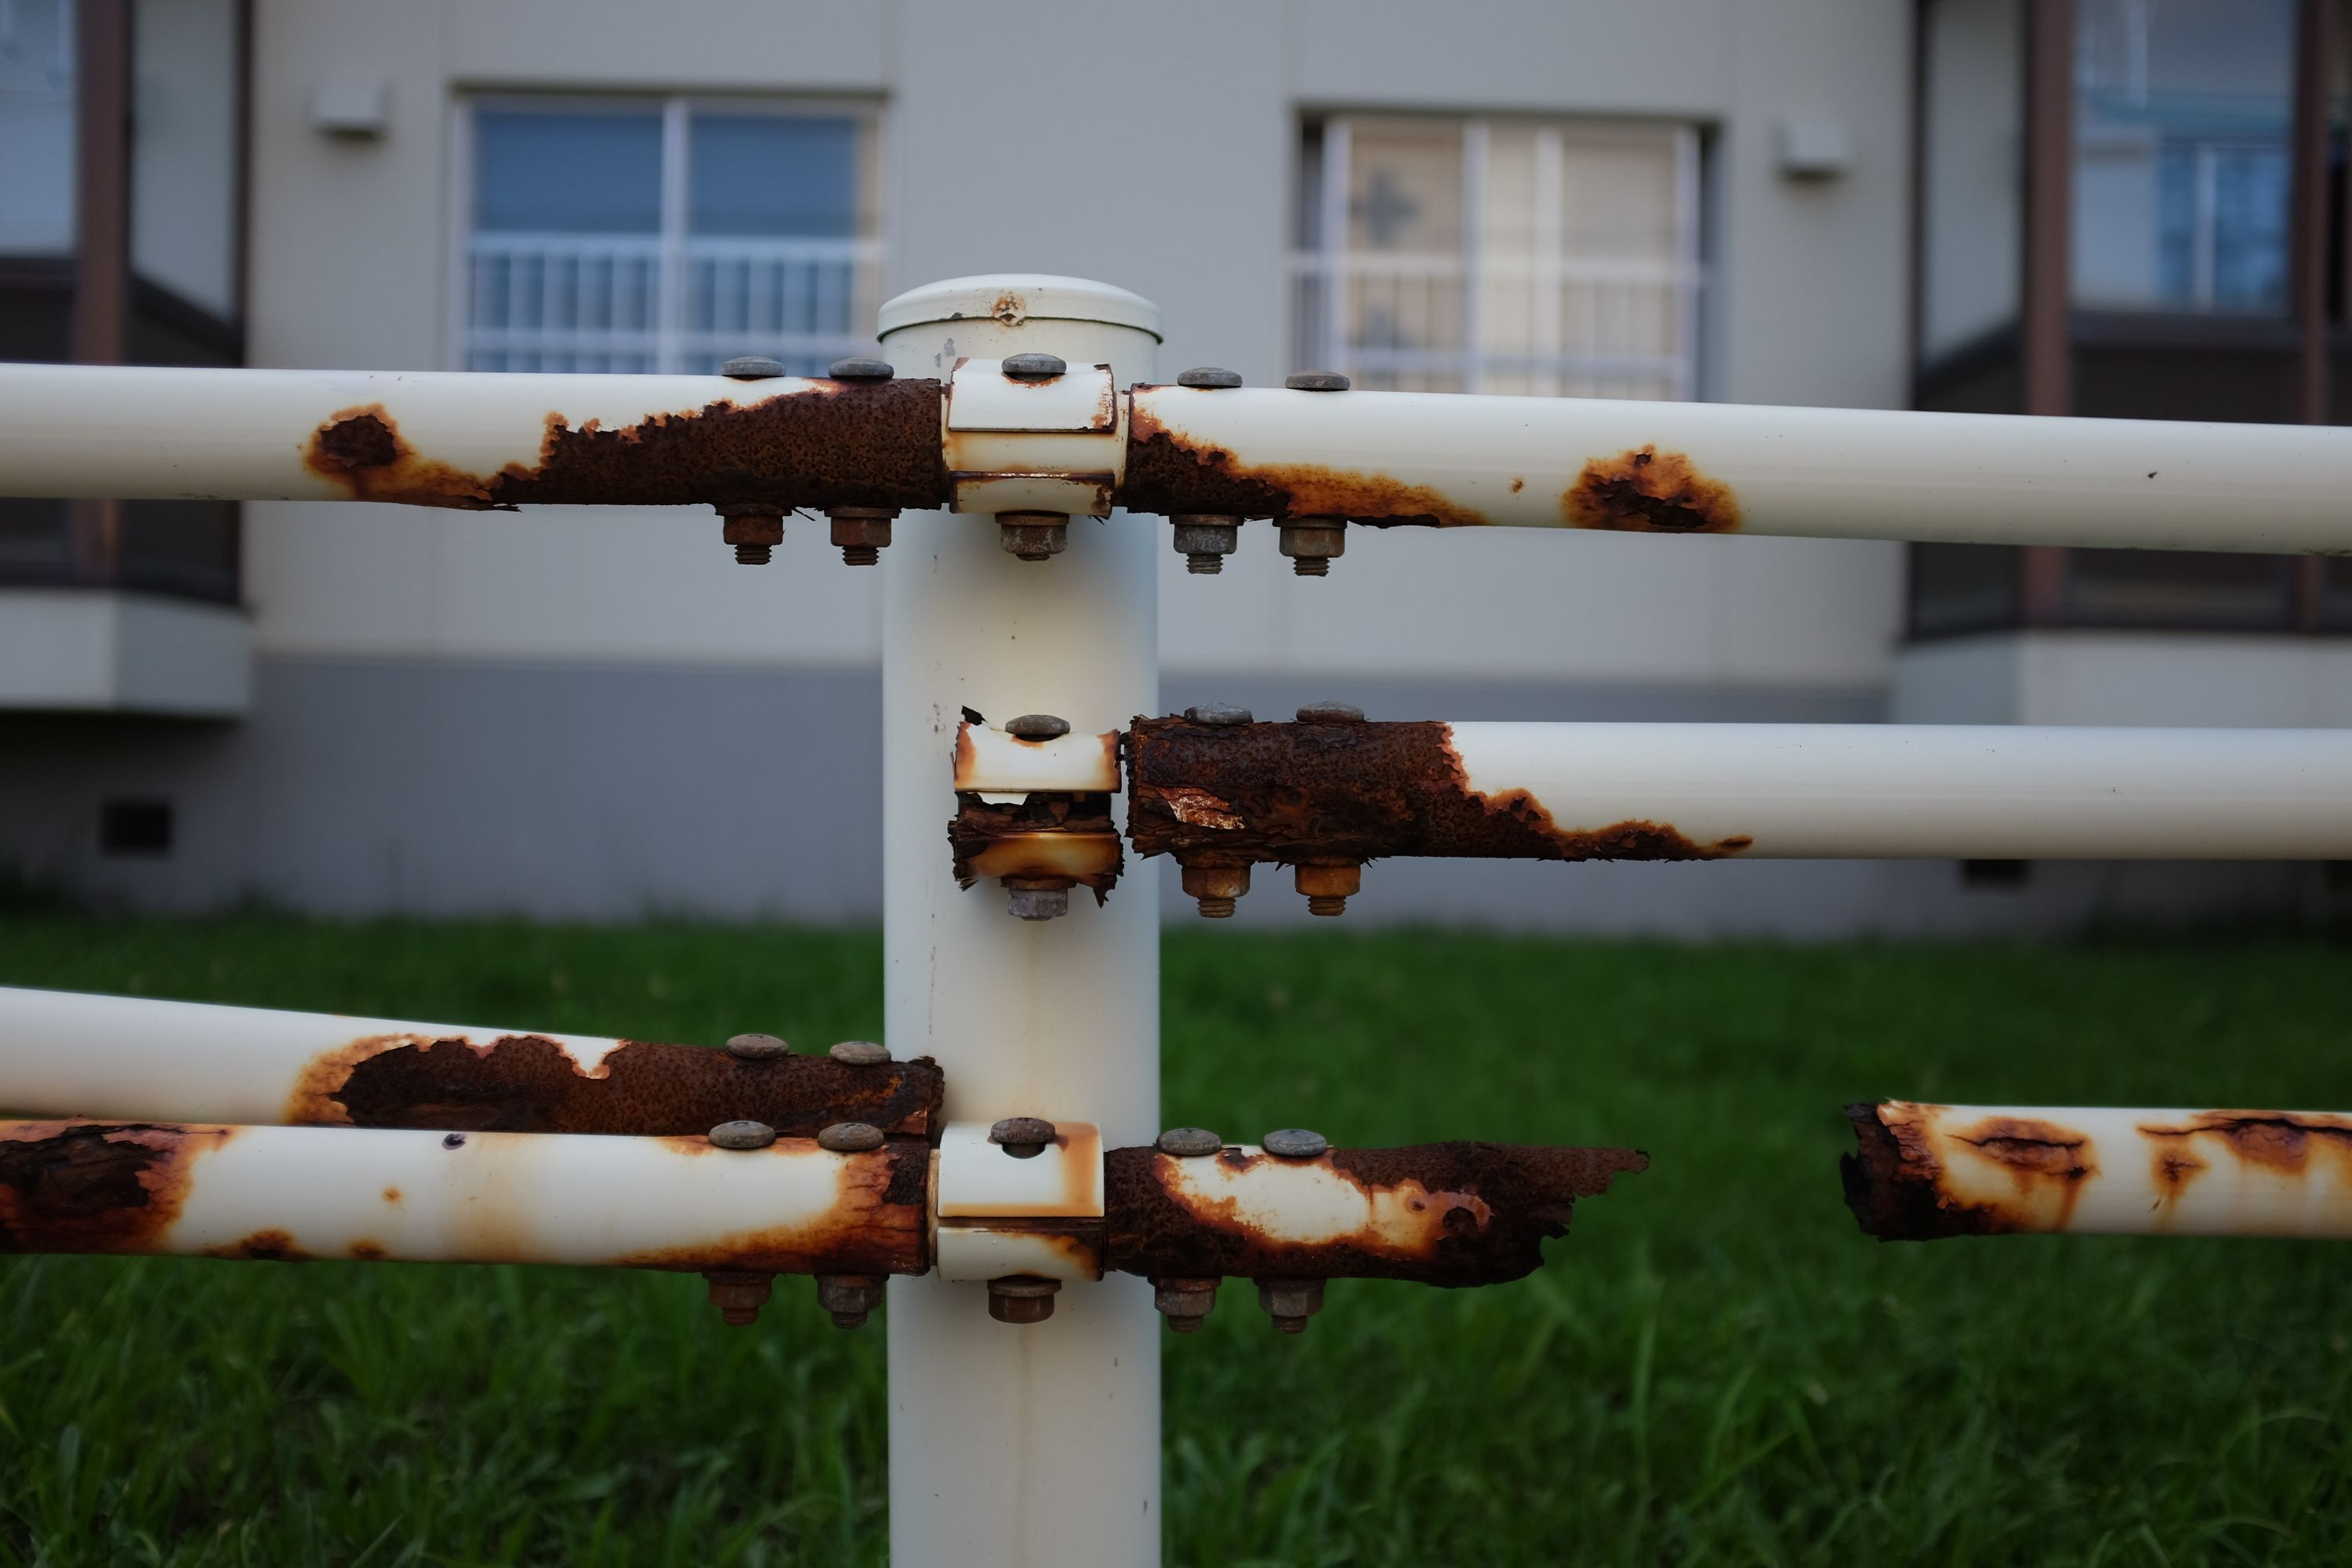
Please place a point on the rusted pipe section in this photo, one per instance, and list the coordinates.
(136, 1059)
(1035, 814)
(296, 1192)
(1439, 1214)
(1921, 1172)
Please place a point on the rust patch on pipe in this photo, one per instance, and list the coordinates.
(878, 1224)
(265, 1246)
(96, 1186)
(1049, 833)
(832, 443)
(1215, 795)
(1171, 473)
(2283, 1142)
(528, 1083)
(1648, 491)
(1900, 1188)
(1442, 1214)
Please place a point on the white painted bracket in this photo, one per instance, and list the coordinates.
(1019, 444)
(998, 1215)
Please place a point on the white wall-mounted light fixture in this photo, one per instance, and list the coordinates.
(353, 107)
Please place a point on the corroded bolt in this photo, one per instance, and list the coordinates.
(1037, 898)
(849, 1297)
(753, 367)
(1290, 1302)
(1037, 727)
(849, 1138)
(1205, 540)
(1023, 1137)
(861, 532)
(859, 1052)
(742, 1135)
(1331, 714)
(1316, 381)
(753, 527)
(1328, 888)
(1033, 535)
(739, 1294)
(1034, 367)
(1022, 1299)
(1223, 715)
(1188, 1142)
(756, 1047)
(1185, 1303)
(1295, 1143)
(1214, 889)
(1313, 543)
(854, 369)
(1209, 375)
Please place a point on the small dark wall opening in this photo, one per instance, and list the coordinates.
(134, 827)
(1995, 873)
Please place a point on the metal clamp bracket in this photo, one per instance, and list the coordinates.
(1029, 444)
(998, 1215)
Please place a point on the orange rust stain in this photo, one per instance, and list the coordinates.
(1649, 491)
(392, 1195)
(1076, 855)
(312, 1103)
(97, 1186)
(367, 1251)
(262, 1246)
(2040, 1156)
(1010, 308)
(1198, 808)
(1435, 1214)
(877, 1225)
(2171, 1167)
(2283, 1142)
(1295, 490)
(967, 757)
(1634, 839)
(1517, 485)
(362, 449)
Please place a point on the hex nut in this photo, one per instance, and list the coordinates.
(742, 1135)
(1037, 727)
(1326, 886)
(1037, 897)
(1209, 375)
(1023, 1137)
(858, 369)
(756, 1047)
(1290, 1302)
(1222, 715)
(1312, 543)
(753, 527)
(861, 532)
(1316, 381)
(1186, 1303)
(1331, 714)
(1022, 1299)
(849, 1138)
(1033, 535)
(1295, 1143)
(1188, 1142)
(849, 1297)
(739, 1294)
(1216, 889)
(859, 1052)
(753, 367)
(1034, 367)
(1204, 541)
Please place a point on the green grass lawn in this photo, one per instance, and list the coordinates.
(1716, 1367)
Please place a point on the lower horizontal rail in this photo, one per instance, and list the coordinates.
(292, 1193)
(1920, 1173)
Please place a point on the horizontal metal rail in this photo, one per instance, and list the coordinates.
(1921, 1172)
(1205, 454)
(63, 1054)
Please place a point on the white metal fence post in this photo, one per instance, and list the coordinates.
(1019, 1445)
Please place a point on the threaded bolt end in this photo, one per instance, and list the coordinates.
(848, 1319)
(860, 555)
(1290, 1325)
(752, 555)
(1187, 1325)
(1326, 905)
(1312, 565)
(1204, 565)
(1216, 909)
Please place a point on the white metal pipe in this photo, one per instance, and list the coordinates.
(457, 1197)
(1019, 1445)
(1832, 473)
(1958, 792)
(1923, 1172)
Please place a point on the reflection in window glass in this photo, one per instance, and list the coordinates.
(1971, 200)
(773, 175)
(2184, 113)
(551, 172)
(37, 127)
(185, 111)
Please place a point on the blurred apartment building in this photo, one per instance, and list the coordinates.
(2108, 207)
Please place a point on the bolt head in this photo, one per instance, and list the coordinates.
(1021, 1136)
(1316, 540)
(860, 528)
(857, 369)
(1331, 714)
(756, 1047)
(1188, 1142)
(1316, 381)
(1210, 536)
(1037, 727)
(1033, 535)
(859, 1052)
(1290, 1302)
(1038, 898)
(1295, 1143)
(1034, 367)
(1184, 1302)
(849, 1138)
(753, 367)
(1022, 1299)
(1209, 375)
(849, 1297)
(739, 1294)
(1222, 715)
(742, 1135)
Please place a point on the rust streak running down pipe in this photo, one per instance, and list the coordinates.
(1920, 1173)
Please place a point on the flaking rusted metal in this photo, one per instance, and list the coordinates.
(1442, 1214)
(1338, 793)
(1648, 491)
(832, 443)
(96, 1186)
(528, 1083)
(1047, 834)
(1174, 474)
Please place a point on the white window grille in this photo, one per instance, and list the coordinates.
(1505, 256)
(667, 236)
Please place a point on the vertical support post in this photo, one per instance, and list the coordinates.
(101, 302)
(2046, 294)
(1035, 1443)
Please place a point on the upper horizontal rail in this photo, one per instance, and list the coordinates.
(1382, 459)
